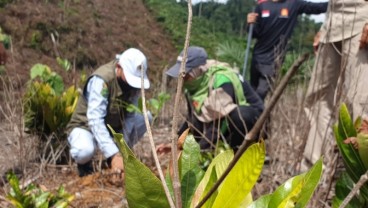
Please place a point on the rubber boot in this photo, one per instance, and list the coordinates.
(85, 169)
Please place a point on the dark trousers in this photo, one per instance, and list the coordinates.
(240, 121)
(261, 77)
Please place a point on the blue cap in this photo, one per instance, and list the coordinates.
(196, 56)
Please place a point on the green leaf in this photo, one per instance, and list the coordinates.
(56, 82)
(14, 201)
(221, 161)
(353, 164)
(40, 70)
(211, 182)
(190, 171)
(42, 199)
(140, 105)
(242, 177)
(262, 201)
(310, 182)
(342, 189)
(289, 190)
(64, 63)
(155, 105)
(346, 126)
(358, 122)
(15, 189)
(143, 188)
(298, 190)
(61, 191)
(61, 204)
(247, 200)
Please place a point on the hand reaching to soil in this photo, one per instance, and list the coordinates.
(117, 166)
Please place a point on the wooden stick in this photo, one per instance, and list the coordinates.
(363, 179)
(152, 143)
(174, 129)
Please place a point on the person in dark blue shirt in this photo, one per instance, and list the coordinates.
(274, 22)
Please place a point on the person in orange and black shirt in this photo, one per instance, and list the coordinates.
(274, 22)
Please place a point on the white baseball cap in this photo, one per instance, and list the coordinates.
(132, 61)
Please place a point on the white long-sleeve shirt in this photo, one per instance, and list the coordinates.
(96, 113)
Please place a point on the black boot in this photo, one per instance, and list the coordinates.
(85, 169)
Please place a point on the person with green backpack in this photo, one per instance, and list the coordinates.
(221, 105)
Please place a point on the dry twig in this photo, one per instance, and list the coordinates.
(363, 179)
(153, 148)
(174, 143)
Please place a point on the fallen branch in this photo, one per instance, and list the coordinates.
(251, 136)
(363, 179)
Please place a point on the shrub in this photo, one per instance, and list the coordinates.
(47, 107)
(33, 196)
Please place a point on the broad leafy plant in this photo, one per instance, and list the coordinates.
(47, 107)
(144, 189)
(32, 196)
(354, 156)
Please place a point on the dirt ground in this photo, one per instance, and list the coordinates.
(90, 33)
(87, 33)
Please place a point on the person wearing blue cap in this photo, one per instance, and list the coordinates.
(220, 102)
(102, 102)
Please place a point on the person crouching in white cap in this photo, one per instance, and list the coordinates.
(106, 91)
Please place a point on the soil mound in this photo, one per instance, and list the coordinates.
(87, 33)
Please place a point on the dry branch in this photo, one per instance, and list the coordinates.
(363, 179)
(174, 143)
(153, 148)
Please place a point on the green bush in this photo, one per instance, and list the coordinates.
(47, 107)
(34, 197)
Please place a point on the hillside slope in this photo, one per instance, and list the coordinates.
(87, 33)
